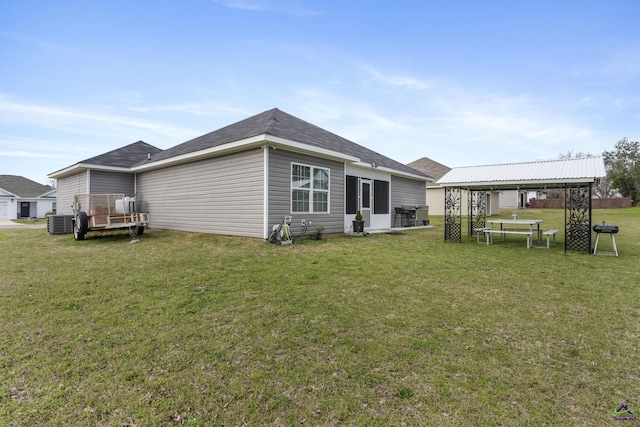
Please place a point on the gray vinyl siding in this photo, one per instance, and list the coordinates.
(67, 188)
(223, 195)
(280, 192)
(407, 192)
(111, 183)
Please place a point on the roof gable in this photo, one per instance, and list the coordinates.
(124, 157)
(22, 187)
(277, 123)
(430, 167)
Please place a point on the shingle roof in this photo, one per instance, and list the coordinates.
(430, 167)
(22, 187)
(531, 173)
(279, 124)
(125, 157)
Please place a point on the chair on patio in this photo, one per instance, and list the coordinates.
(403, 214)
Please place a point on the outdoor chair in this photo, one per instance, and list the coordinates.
(403, 214)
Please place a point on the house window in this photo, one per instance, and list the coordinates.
(380, 197)
(352, 194)
(309, 189)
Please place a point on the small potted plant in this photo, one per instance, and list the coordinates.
(358, 223)
(317, 234)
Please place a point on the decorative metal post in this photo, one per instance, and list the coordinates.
(477, 211)
(452, 215)
(577, 215)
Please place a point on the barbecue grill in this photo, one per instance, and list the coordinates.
(609, 229)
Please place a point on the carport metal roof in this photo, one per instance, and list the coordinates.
(577, 176)
(532, 175)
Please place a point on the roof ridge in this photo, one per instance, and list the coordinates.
(525, 163)
(272, 120)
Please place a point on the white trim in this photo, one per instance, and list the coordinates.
(229, 147)
(84, 166)
(242, 145)
(236, 146)
(51, 192)
(9, 194)
(404, 174)
(515, 183)
(298, 146)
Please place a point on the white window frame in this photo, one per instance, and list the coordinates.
(311, 190)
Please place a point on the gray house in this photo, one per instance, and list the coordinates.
(246, 177)
(23, 198)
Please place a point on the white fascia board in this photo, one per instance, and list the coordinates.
(9, 193)
(403, 174)
(306, 148)
(50, 193)
(391, 171)
(64, 172)
(243, 144)
(229, 147)
(80, 167)
(515, 184)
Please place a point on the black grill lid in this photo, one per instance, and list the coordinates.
(605, 228)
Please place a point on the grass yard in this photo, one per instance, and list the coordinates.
(198, 330)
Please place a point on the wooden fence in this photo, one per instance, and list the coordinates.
(620, 202)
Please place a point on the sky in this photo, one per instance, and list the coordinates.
(460, 82)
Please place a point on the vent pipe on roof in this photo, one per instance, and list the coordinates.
(148, 156)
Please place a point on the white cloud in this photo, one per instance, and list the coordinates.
(624, 64)
(344, 116)
(43, 44)
(288, 7)
(198, 109)
(397, 80)
(84, 121)
(30, 154)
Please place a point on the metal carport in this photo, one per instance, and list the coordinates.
(576, 176)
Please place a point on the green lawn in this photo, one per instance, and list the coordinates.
(404, 329)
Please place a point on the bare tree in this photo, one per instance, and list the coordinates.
(623, 167)
(571, 155)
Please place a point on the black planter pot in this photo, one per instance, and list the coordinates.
(358, 226)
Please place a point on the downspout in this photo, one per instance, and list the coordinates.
(265, 191)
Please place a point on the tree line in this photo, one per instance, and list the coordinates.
(623, 170)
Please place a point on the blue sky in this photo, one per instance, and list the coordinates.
(461, 82)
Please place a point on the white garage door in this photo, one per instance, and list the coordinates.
(3, 210)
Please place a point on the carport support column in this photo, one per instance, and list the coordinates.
(477, 211)
(452, 215)
(577, 216)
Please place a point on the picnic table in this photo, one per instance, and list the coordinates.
(513, 226)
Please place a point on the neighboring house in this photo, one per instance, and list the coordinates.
(513, 199)
(520, 198)
(435, 193)
(22, 198)
(246, 177)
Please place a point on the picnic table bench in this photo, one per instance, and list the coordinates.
(550, 233)
(529, 233)
(489, 232)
